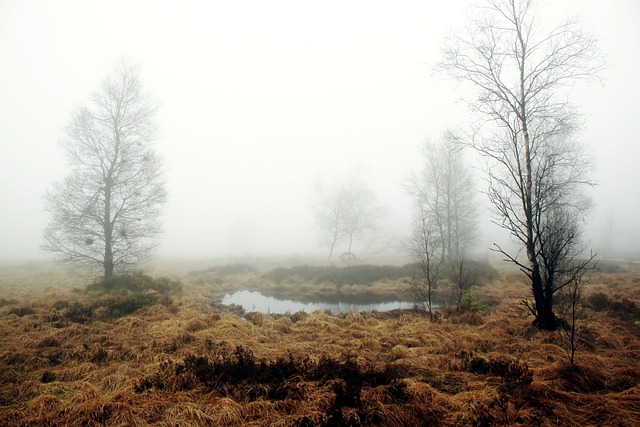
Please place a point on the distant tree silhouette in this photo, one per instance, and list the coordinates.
(347, 211)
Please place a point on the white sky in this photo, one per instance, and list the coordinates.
(260, 99)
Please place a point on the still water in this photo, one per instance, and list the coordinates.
(255, 301)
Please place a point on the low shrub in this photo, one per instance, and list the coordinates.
(47, 377)
(78, 313)
(599, 301)
(240, 376)
(512, 371)
(61, 304)
(4, 301)
(22, 311)
(135, 282)
(478, 365)
(472, 302)
(124, 305)
(624, 308)
(118, 296)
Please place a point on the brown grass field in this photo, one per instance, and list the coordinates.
(186, 362)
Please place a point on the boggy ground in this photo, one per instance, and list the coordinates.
(183, 362)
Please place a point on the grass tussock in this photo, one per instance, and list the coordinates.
(115, 297)
(620, 307)
(82, 358)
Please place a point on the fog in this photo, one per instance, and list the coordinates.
(261, 100)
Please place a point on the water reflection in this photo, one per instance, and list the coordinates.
(255, 301)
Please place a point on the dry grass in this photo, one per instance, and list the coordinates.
(490, 368)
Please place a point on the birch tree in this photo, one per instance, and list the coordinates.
(445, 190)
(424, 246)
(536, 171)
(105, 213)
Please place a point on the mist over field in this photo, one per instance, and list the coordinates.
(337, 213)
(262, 101)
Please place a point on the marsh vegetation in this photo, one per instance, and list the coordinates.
(145, 350)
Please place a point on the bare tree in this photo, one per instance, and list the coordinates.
(105, 212)
(572, 311)
(445, 190)
(347, 211)
(534, 170)
(424, 246)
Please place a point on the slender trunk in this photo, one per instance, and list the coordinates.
(108, 192)
(537, 286)
(349, 250)
(545, 319)
(333, 244)
(574, 303)
(335, 239)
(449, 207)
(429, 278)
(337, 219)
(108, 230)
(439, 221)
(429, 301)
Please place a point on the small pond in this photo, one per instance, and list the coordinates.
(255, 301)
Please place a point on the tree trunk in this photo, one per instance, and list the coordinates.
(549, 321)
(542, 293)
(108, 266)
(536, 279)
(545, 318)
(429, 300)
(108, 230)
(108, 252)
(350, 244)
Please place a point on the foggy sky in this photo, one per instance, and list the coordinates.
(260, 100)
